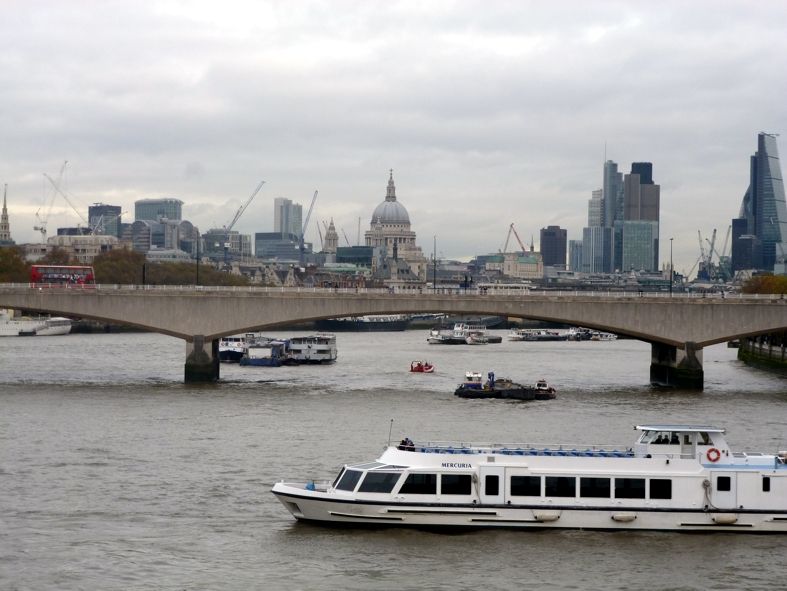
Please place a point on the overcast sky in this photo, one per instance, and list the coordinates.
(488, 112)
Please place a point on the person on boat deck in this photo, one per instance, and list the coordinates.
(406, 444)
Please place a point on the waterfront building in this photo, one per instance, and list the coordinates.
(575, 255)
(553, 241)
(287, 217)
(390, 231)
(156, 209)
(105, 219)
(746, 248)
(5, 227)
(517, 265)
(763, 207)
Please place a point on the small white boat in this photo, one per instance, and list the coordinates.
(57, 325)
(674, 477)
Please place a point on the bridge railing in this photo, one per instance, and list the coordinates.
(409, 292)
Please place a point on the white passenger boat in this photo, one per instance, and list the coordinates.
(675, 477)
(317, 348)
(57, 325)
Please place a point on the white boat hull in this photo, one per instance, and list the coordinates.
(317, 506)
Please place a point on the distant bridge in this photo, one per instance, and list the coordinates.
(678, 326)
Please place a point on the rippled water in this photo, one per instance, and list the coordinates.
(115, 475)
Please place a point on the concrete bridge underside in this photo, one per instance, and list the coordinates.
(677, 328)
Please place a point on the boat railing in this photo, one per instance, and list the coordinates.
(524, 449)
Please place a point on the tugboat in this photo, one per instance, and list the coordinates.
(673, 478)
(421, 367)
(502, 388)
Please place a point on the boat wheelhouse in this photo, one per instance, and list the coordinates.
(675, 477)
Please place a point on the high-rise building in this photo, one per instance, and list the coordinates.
(763, 207)
(157, 209)
(612, 194)
(596, 250)
(575, 255)
(287, 217)
(641, 203)
(104, 219)
(553, 243)
(644, 170)
(638, 240)
(596, 209)
(5, 227)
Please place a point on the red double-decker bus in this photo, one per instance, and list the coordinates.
(62, 275)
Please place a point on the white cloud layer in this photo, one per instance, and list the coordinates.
(488, 112)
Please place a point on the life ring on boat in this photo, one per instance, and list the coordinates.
(713, 455)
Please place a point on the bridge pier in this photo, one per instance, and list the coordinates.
(674, 367)
(202, 360)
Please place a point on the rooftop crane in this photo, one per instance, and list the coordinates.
(228, 228)
(319, 233)
(41, 222)
(347, 240)
(306, 225)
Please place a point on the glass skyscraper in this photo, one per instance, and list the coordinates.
(763, 205)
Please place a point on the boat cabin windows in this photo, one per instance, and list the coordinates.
(349, 479)
(492, 485)
(766, 484)
(379, 482)
(525, 486)
(419, 484)
(456, 484)
(629, 488)
(660, 488)
(560, 486)
(723, 483)
(597, 488)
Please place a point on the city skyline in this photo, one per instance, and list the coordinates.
(513, 106)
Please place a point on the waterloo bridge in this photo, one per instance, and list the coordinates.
(678, 326)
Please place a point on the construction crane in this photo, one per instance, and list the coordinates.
(41, 222)
(65, 196)
(306, 225)
(228, 228)
(347, 240)
(98, 227)
(518, 239)
(319, 233)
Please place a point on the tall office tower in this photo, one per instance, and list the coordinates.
(575, 255)
(612, 193)
(596, 209)
(553, 246)
(156, 209)
(287, 217)
(644, 170)
(640, 222)
(763, 205)
(104, 219)
(5, 227)
(596, 250)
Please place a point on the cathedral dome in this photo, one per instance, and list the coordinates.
(391, 211)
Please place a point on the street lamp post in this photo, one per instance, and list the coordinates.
(671, 272)
(434, 266)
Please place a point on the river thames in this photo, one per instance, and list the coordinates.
(116, 475)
